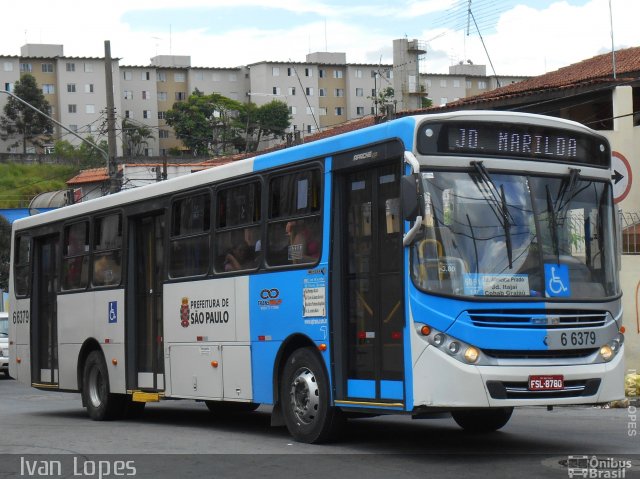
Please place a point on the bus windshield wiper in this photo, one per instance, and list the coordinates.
(568, 191)
(553, 224)
(499, 201)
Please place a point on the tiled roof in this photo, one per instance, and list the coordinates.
(598, 69)
(93, 175)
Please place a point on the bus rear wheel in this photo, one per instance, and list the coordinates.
(101, 404)
(304, 395)
(482, 420)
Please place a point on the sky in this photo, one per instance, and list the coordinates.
(517, 37)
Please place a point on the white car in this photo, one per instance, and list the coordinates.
(4, 343)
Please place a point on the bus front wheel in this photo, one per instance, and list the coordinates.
(101, 404)
(482, 420)
(304, 394)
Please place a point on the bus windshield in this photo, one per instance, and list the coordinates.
(515, 235)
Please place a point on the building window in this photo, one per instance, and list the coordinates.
(482, 85)
(8, 86)
(276, 90)
(428, 82)
(88, 67)
(25, 67)
(456, 83)
(322, 111)
(146, 114)
(308, 72)
(128, 95)
(310, 110)
(71, 67)
(47, 68)
(181, 96)
(292, 91)
(179, 77)
(469, 85)
(88, 88)
(338, 111)
(146, 75)
(127, 75)
(289, 71)
(199, 75)
(8, 66)
(48, 89)
(359, 92)
(162, 96)
(217, 76)
(146, 95)
(309, 91)
(357, 73)
(360, 110)
(308, 128)
(443, 101)
(162, 115)
(443, 82)
(275, 71)
(73, 128)
(90, 109)
(322, 92)
(161, 76)
(389, 74)
(163, 134)
(73, 108)
(321, 73)
(128, 114)
(71, 87)
(233, 77)
(292, 110)
(337, 73)
(339, 92)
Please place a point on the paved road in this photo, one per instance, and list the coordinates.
(181, 439)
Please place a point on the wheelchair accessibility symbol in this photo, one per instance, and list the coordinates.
(113, 312)
(557, 280)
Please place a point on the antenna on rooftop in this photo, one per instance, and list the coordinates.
(613, 50)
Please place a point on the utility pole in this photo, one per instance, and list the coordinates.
(112, 168)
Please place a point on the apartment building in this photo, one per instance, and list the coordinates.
(73, 86)
(321, 92)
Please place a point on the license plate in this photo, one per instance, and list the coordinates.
(546, 383)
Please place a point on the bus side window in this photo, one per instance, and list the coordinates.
(190, 226)
(22, 266)
(107, 255)
(294, 228)
(75, 266)
(238, 230)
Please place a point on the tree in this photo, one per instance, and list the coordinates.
(269, 119)
(384, 98)
(21, 120)
(5, 247)
(206, 123)
(85, 155)
(134, 137)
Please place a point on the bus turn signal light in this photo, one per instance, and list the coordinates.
(425, 330)
(322, 347)
(114, 361)
(214, 364)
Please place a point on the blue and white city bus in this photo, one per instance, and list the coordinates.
(461, 262)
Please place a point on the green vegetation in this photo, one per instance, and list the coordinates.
(19, 183)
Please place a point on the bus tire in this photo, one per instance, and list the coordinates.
(101, 404)
(482, 420)
(221, 408)
(304, 394)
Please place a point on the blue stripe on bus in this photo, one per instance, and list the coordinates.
(402, 128)
(361, 388)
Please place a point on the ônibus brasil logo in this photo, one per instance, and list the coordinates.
(184, 312)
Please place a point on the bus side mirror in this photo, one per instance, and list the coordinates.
(410, 197)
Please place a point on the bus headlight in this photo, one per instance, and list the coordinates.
(438, 339)
(454, 347)
(606, 352)
(471, 355)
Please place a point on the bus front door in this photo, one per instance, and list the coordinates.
(44, 312)
(145, 341)
(369, 288)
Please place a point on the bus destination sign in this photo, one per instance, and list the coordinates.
(502, 140)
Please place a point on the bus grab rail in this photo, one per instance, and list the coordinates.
(412, 161)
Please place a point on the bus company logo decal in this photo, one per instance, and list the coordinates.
(597, 467)
(365, 156)
(184, 312)
(269, 299)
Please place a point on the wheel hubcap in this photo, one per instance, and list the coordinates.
(305, 396)
(97, 387)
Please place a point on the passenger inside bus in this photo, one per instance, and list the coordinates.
(238, 258)
(304, 246)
